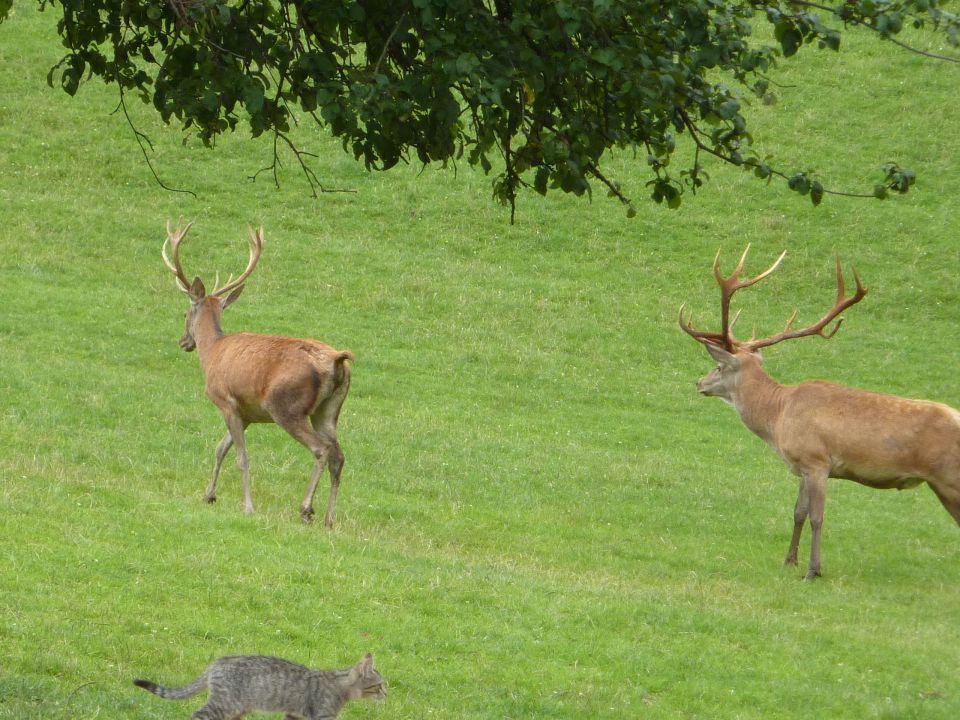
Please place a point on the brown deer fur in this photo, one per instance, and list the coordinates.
(821, 430)
(298, 384)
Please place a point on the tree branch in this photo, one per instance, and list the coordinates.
(863, 23)
(696, 133)
(312, 180)
(140, 138)
(386, 43)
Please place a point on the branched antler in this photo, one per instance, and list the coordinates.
(820, 327)
(730, 284)
(174, 238)
(256, 247)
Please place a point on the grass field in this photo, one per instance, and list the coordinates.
(539, 517)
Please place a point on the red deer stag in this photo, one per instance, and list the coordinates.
(298, 384)
(823, 430)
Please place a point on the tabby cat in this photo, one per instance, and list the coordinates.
(246, 683)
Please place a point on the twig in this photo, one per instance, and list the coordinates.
(312, 180)
(73, 692)
(695, 135)
(924, 53)
(140, 138)
(386, 44)
(612, 186)
(863, 23)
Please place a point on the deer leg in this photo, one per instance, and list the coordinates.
(335, 463)
(301, 430)
(222, 448)
(817, 491)
(306, 507)
(236, 426)
(800, 512)
(324, 421)
(950, 501)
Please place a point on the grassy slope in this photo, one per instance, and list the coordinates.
(539, 518)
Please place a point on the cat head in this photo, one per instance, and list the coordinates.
(365, 682)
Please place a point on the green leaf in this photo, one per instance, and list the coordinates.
(816, 192)
(609, 57)
(253, 97)
(790, 41)
(674, 198)
(799, 183)
(540, 179)
(543, 84)
(728, 109)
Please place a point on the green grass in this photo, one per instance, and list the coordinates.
(539, 518)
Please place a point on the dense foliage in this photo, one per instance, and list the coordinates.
(547, 87)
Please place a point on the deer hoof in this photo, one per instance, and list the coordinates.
(811, 575)
(210, 499)
(306, 514)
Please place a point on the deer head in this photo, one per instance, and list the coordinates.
(733, 355)
(202, 302)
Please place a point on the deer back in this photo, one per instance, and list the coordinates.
(877, 439)
(254, 372)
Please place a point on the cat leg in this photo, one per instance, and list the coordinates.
(211, 711)
(208, 713)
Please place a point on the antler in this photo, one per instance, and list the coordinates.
(711, 338)
(174, 238)
(819, 327)
(728, 286)
(256, 247)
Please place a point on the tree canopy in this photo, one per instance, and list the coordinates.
(533, 92)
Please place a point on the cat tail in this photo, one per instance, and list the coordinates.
(174, 693)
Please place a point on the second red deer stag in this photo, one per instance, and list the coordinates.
(298, 384)
(823, 430)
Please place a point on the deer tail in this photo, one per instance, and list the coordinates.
(341, 369)
(174, 693)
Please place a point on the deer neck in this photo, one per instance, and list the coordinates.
(208, 331)
(758, 400)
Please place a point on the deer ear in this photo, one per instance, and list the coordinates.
(224, 304)
(722, 356)
(197, 292)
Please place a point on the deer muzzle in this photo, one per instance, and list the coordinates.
(710, 384)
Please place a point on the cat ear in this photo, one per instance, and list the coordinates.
(365, 665)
